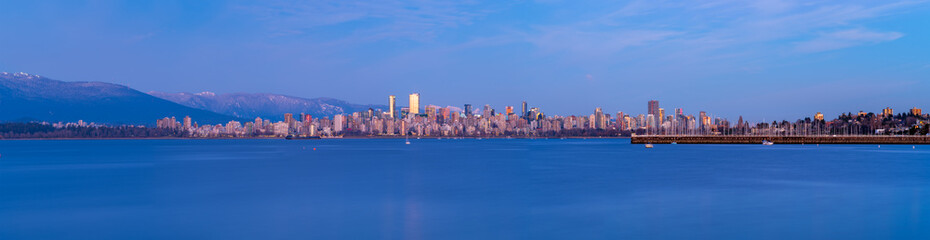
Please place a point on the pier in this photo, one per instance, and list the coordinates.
(827, 139)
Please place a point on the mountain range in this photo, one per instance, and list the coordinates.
(264, 105)
(27, 97)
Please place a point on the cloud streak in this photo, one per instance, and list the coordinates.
(845, 39)
(730, 24)
(372, 20)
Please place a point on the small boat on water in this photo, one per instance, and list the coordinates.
(649, 145)
(767, 142)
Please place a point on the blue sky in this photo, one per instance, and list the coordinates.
(768, 59)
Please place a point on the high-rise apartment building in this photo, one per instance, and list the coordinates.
(288, 118)
(818, 116)
(446, 113)
(338, 122)
(599, 121)
(524, 109)
(187, 122)
(661, 116)
(430, 112)
(392, 106)
(414, 103)
(653, 108)
(887, 112)
(703, 119)
(468, 110)
(915, 111)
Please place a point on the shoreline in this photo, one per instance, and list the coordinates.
(282, 138)
(826, 139)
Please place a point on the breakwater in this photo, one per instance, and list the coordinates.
(781, 139)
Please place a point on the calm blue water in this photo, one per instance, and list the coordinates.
(459, 189)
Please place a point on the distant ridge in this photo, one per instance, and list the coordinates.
(264, 105)
(27, 97)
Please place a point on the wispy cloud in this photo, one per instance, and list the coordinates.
(373, 20)
(844, 39)
(728, 26)
(594, 43)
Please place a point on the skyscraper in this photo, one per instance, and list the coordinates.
(187, 122)
(703, 115)
(468, 110)
(661, 115)
(915, 111)
(509, 110)
(598, 119)
(430, 112)
(524, 109)
(338, 122)
(653, 108)
(392, 104)
(288, 118)
(446, 113)
(619, 120)
(414, 103)
(887, 112)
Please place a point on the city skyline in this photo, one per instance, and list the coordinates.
(782, 59)
(435, 121)
(653, 108)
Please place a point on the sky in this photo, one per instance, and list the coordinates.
(763, 60)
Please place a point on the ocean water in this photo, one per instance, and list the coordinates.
(459, 189)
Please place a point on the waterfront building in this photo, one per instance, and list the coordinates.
(598, 119)
(446, 113)
(288, 118)
(653, 107)
(702, 115)
(414, 103)
(468, 110)
(392, 104)
(338, 122)
(661, 115)
(430, 111)
(650, 120)
(280, 128)
(187, 123)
